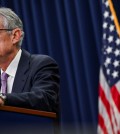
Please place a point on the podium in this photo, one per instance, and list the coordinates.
(14, 120)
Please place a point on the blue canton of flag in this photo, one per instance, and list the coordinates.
(111, 48)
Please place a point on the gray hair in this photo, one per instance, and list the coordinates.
(11, 21)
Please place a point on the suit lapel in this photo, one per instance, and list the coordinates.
(22, 72)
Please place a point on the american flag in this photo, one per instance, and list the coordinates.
(109, 87)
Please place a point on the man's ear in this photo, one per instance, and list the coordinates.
(16, 35)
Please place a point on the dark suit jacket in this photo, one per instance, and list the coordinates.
(36, 83)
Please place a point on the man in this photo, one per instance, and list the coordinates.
(32, 80)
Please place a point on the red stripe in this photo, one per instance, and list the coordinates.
(106, 104)
(102, 124)
(114, 116)
(118, 132)
(116, 97)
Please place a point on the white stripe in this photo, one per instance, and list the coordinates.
(100, 131)
(116, 114)
(106, 89)
(104, 114)
(116, 111)
(113, 122)
(104, 85)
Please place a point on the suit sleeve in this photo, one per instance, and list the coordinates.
(44, 91)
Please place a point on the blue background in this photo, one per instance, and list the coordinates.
(70, 31)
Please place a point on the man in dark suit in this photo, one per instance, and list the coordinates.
(32, 81)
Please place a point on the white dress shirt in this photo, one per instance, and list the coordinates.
(11, 71)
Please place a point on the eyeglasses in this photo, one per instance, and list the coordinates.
(6, 29)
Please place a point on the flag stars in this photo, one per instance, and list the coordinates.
(107, 61)
(116, 63)
(107, 3)
(115, 74)
(111, 28)
(105, 25)
(111, 46)
(117, 41)
(112, 17)
(116, 52)
(108, 71)
(104, 36)
(109, 49)
(104, 48)
(110, 39)
(103, 1)
(106, 14)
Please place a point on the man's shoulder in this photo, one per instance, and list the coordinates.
(42, 58)
(37, 59)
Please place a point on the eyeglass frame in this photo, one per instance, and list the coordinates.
(7, 29)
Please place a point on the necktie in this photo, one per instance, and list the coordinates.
(4, 77)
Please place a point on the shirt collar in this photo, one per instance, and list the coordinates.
(12, 68)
